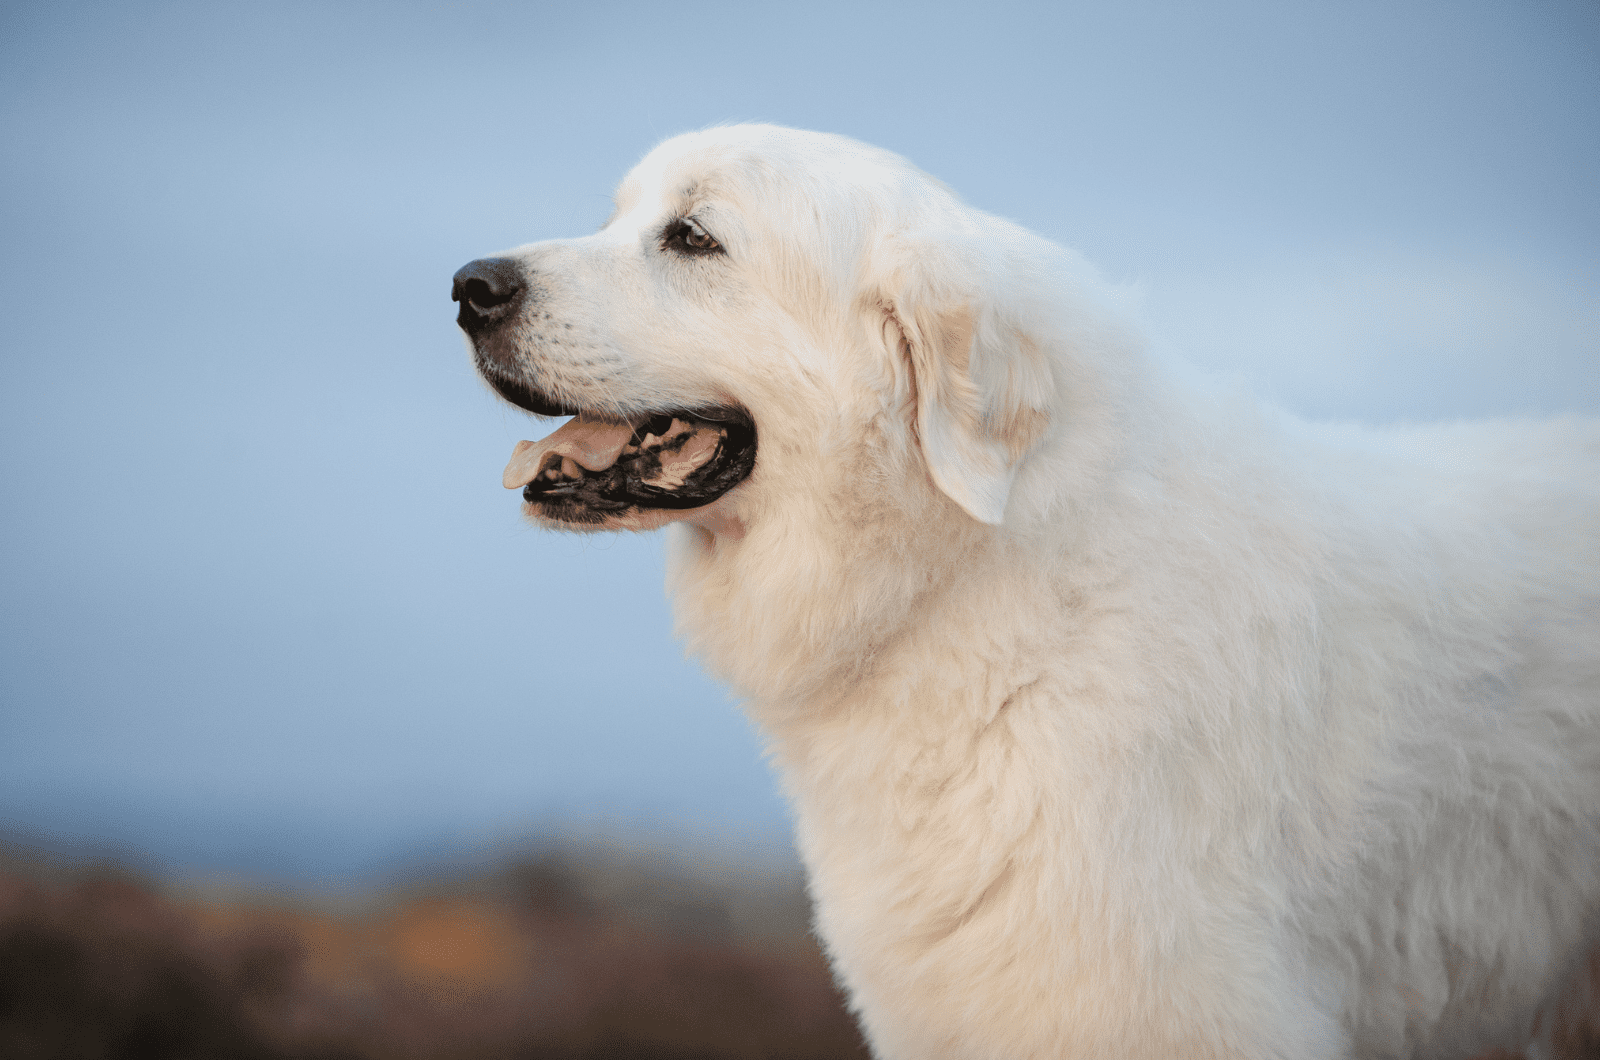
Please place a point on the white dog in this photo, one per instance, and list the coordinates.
(1120, 717)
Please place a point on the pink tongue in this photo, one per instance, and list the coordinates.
(594, 444)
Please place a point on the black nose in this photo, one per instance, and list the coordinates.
(488, 291)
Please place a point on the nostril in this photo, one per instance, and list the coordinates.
(480, 294)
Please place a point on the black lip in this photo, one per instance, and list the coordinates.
(621, 487)
(521, 394)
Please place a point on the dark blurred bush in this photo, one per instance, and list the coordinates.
(103, 968)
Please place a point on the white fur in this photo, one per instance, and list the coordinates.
(1121, 717)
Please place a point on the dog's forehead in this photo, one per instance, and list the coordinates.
(652, 191)
(676, 176)
(733, 163)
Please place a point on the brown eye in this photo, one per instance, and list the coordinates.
(700, 239)
(687, 237)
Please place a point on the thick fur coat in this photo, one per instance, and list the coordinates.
(1120, 715)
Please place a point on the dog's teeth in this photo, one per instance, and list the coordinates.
(695, 448)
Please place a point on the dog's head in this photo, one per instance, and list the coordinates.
(768, 314)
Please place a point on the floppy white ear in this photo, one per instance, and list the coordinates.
(983, 386)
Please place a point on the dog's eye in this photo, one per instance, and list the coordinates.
(687, 237)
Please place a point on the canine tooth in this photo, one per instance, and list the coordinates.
(691, 455)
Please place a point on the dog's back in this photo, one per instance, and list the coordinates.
(1472, 622)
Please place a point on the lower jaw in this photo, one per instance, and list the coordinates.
(718, 518)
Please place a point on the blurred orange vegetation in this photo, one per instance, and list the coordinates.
(530, 965)
(448, 948)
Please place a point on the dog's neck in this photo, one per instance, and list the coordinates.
(785, 617)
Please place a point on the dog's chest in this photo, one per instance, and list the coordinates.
(928, 825)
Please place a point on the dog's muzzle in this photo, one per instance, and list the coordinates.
(492, 292)
(602, 468)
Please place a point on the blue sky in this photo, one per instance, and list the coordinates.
(264, 607)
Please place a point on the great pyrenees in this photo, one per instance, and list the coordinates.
(1120, 716)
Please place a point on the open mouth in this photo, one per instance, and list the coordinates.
(599, 468)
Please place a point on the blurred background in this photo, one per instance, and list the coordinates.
(268, 619)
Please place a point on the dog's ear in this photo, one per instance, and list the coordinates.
(981, 386)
